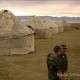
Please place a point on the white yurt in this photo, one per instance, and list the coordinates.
(66, 25)
(49, 23)
(60, 27)
(15, 37)
(40, 30)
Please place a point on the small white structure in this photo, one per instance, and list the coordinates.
(66, 26)
(49, 23)
(60, 27)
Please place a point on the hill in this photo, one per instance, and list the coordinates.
(57, 19)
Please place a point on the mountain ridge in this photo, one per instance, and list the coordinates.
(56, 19)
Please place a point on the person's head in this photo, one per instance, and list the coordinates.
(57, 50)
(63, 48)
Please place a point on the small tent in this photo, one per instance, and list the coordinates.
(50, 24)
(66, 25)
(60, 27)
(15, 37)
(40, 30)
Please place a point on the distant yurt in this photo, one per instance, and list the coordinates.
(49, 23)
(15, 37)
(60, 27)
(66, 25)
(40, 30)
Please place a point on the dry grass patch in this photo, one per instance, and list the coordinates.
(33, 66)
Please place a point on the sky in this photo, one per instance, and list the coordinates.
(59, 8)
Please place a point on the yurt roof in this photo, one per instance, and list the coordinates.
(49, 23)
(35, 22)
(11, 26)
(65, 23)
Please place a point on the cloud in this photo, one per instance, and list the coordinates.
(42, 7)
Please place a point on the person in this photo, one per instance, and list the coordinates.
(64, 61)
(53, 63)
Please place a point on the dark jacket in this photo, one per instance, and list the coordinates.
(64, 62)
(53, 67)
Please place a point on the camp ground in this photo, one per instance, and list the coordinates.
(23, 57)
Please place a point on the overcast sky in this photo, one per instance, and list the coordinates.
(69, 8)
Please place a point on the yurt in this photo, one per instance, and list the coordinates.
(66, 25)
(50, 24)
(40, 30)
(15, 37)
(60, 27)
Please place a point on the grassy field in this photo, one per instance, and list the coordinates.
(75, 25)
(33, 66)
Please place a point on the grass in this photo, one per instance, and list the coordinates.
(75, 25)
(33, 66)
